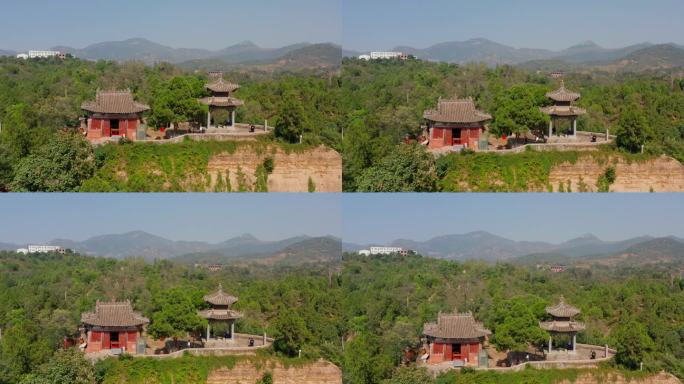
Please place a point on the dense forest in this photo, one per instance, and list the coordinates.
(361, 317)
(40, 99)
(42, 296)
(384, 103)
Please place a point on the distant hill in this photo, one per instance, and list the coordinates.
(309, 251)
(7, 53)
(150, 247)
(665, 250)
(139, 49)
(294, 58)
(492, 53)
(485, 246)
(664, 56)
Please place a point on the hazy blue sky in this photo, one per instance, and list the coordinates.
(379, 218)
(30, 218)
(552, 24)
(214, 24)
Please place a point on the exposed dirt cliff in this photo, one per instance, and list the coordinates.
(246, 372)
(320, 168)
(663, 174)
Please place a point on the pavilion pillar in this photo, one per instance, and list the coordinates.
(550, 127)
(209, 118)
(232, 118)
(574, 343)
(550, 344)
(232, 330)
(208, 330)
(574, 126)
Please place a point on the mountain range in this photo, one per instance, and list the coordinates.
(485, 246)
(492, 53)
(246, 52)
(299, 249)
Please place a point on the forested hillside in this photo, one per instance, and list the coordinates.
(42, 296)
(385, 100)
(39, 98)
(389, 298)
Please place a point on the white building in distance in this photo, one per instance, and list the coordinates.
(384, 55)
(41, 55)
(41, 249)
(383, 251)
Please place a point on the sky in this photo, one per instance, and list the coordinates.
(39, 218)
(551, 24)
(209, 24)
(380, 218)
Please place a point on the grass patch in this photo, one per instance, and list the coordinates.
(187, 369)
(517, 172)
(178, 167)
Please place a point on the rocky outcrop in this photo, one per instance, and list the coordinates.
(590, 378)
(246, 372)
(662, 174)
(293, 171)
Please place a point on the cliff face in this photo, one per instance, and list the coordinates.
(292, 171)
(662, 378)
(246, 372)
(663, 174)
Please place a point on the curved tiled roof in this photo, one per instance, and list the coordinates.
(455, 326)
(562, 94)
(114, 314)
(456, 111)
(220, 298)
(562, 309)
(222, 86)
(115, 102)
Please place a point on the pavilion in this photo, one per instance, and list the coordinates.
(562, 323)
(113, 114)
(220, 312)
(113, 327)
(457, 338)
(563, 108)
(221, 98)
(456, 122)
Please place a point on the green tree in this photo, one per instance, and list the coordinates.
(65, 366)
(409, 168)
(292, 121)
(515, 324)
(410, 375)
(517, 110)
(175, 313)
(632, 130)
(59, 166)
(292, 332)
(177, 101)
(633, 344)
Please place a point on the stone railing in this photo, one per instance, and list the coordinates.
(563, 364)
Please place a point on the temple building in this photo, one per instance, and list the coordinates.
(562, 323)
(456, 123)
(113, 327)
(114, 114)
(563, 108)
(220, 312)
(221, 99)
(457, 338)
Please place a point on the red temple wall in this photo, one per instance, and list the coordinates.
(444, 352)
(102, 340)
(100, 128)
(444, 137)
